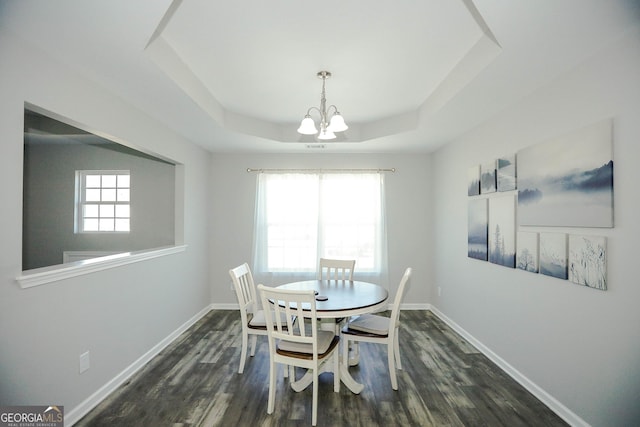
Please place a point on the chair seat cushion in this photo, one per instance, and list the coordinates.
(370, 323)
(258, 321)
(325, 339)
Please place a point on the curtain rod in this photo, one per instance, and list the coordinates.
(321, 170)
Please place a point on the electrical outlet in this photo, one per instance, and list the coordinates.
(84, 362)
(439, 291)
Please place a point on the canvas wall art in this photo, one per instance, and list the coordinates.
(502, 230)
(588, 261)
(477, 229)
(527, 251)
(473, 180)
(568, 181)
(553, 255)
(488, 177)
(506, 173)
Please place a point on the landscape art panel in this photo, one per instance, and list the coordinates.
(506, 173)
(473, 180)
(553, 255)
(477, 229)
(527, 251)
(488, 177)
(588, 261)
(502, 230)
(568, 181)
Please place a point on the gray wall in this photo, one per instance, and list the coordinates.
(580, 345)
(49, 200)
(117, 314)
(408, 208)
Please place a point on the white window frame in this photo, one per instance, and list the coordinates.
(115, 207)
(315, 214)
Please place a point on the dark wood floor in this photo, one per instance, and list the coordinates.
(445, 382)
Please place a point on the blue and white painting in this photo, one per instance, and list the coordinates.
(527, 251)
(477, 231)
(502, 230)
(568, 181)
(488, 177)
(473, 180)
(588, 261)
(553, 255)
(506, 173)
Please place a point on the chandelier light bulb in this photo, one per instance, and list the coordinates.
(326, 134)
(337, 123)
(307, 126)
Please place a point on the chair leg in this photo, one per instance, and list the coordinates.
(336, 371)
(314, 404)
(254, 339)
(392, 367)
(272, 387)
(243, 353)
(396, 350)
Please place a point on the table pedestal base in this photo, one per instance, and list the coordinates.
(345, 377)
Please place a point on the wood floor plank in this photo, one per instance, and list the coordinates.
(445, 381)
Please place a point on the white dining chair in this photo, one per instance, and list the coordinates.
(252, 316)
(378, 329)
(298, 343)
(335, 269)
(338, 270)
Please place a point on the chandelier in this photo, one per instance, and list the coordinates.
(330, 120)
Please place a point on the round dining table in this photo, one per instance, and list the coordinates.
(336, 299)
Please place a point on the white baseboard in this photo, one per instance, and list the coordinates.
(227, 306)
(562, 411)
(92, 401)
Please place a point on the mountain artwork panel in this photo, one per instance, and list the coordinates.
(473, 180)
(477, 229)
(506, 170)
(502, 230)
(588, 261)
(553, 255)
(568, 182)
(527, 251)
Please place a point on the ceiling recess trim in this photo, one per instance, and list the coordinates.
(479, 56)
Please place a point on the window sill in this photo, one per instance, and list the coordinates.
(54, 273)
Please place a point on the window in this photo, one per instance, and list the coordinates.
(103, 201)
(303, 216)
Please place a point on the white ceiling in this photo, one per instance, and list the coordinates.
(408, 76)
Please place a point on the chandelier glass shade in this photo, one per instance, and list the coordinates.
(331, 120)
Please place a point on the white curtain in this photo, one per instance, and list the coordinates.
(301, 217)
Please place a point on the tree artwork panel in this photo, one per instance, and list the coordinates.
(568, 181)
(473, 180)
(502, 230)
(506, 173)
(553, 255)
(527, 253)
(477, 229)
(488, 177)
(588, 261)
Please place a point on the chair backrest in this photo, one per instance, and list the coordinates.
(245, 289)
(336, 269)
(290, 316)
(395, 311)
